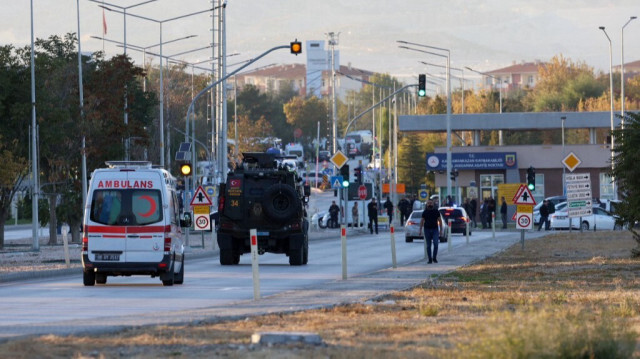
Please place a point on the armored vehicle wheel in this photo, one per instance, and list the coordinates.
(227, 257)
(101, 278)
(280, 202)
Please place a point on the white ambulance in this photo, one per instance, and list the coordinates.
(132, 224)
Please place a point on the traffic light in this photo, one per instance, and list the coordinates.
(531, 178)
(344, 172)
(185, 169)
(454, 173)
(357, 172)
(296, 47)
(422, 85)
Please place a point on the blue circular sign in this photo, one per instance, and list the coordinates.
(423, 194)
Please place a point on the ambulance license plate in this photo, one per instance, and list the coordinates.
(107, 256)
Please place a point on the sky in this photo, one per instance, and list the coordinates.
(482, 34)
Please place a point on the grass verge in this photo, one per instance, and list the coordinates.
(564, 296)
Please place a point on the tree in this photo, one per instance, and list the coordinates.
(12, 174)
(305, 113)
(627, 175)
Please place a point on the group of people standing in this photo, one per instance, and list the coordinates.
(487, 211)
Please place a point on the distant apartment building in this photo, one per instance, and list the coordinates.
(631, 69)
(312, 78)
(517, 76)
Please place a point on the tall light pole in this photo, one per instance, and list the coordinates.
(564, 186)
(613, 180)
(333, 41)
(161, 105)
(499, 95)
(622, 69)
(81, 104)
(126, 110)
(34, 154)
(448, 56)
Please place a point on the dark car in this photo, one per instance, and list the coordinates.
(269, 196)
(324, 156)
(458, 217)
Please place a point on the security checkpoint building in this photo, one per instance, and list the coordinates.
(482, 168)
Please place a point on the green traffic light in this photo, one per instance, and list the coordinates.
(345, 184)
(422, 93)
(532, 187)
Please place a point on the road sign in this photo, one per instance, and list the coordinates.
(423, 194)
(577, 177)
(200, 198)
(362, 192)
(211, 191)
(580, 186)
(201, 222)
(524, 221)
(578, 195)
(336, 182)
(508, 190)
(579, 212)
(201, 210)
(578, 204)
(571, 161)
(524, 208)
(524, 196)
(339, 159)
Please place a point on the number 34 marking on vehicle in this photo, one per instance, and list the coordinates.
(235, 203)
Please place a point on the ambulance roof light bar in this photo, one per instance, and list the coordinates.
(128, 164)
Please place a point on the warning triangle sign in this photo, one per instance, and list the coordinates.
(524, 196)
(200, 198)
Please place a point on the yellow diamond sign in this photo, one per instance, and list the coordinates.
(339, 159)
(571, 161)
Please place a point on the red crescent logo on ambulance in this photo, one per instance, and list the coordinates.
(152, 206)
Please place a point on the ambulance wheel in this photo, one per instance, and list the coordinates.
(227, 257)
(179, 279)
(89, 278)
(101, 278)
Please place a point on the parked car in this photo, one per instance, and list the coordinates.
(318, 219)
(324, 156)
(412, 228)
(323, 222)
(459, 219)
(554, 199)
(599, 219)
(560, 207)
(608, 205)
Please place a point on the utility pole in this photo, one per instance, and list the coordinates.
(333, 41)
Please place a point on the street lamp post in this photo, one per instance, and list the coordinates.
(161, 105)
(448, 56)
(499, 95)
(615, 190)
(126, 111)
(622, 69)
(34, 154)
(564, 186)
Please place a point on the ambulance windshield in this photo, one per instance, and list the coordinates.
(126, 207)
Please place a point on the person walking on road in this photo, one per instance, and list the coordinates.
(544, 216)
(389, 207)
(429, 223)
(503, 213)
(372, 211)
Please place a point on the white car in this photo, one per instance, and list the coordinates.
(600, 219)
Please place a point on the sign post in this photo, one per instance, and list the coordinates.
(579, 196)
(524, 202)
(253, 234)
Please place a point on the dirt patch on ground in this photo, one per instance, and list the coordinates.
(565, 295)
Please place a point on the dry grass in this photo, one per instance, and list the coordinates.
(565, 296)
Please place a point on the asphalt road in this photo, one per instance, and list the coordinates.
(62, 305)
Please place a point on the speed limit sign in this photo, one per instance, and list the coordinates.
(201, 222)
(524, 220)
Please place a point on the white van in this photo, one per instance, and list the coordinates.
(295, 149)
(132, 224)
